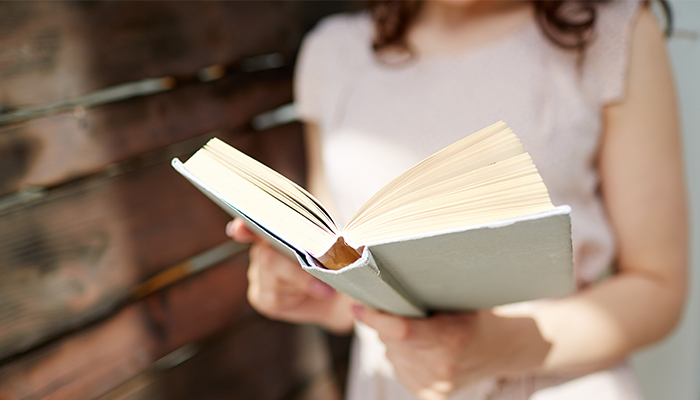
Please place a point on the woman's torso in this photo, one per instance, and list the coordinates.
(377, 120)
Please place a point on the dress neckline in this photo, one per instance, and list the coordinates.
(478, 50)
(448, 58)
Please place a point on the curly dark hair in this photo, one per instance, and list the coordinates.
(568, 24)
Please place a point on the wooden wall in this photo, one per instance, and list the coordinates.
(95, 99)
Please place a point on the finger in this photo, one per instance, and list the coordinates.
(389, 327)
(269, 294)
(276, 299)
(239, 232)
(309, 311)
(275, 265)
(320, 290)
(274, 302)
(450, 331)
(411, 370)
(454, 331)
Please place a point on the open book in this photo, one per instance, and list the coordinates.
(470, 227)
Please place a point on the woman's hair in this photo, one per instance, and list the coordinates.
(568, 24)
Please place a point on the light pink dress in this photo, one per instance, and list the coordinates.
(378, 120)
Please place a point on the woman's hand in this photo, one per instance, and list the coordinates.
(279, 289)
(436, 356)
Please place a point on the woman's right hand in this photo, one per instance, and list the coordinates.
(279, 289)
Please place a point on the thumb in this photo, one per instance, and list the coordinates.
(389, 327)
(239, 232)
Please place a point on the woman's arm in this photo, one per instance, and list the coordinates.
(277, 286)
(642, 185)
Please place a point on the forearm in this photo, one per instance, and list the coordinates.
(603, 324)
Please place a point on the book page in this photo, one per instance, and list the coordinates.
(270, 181)
(483, 178)
(494, 143)
(264, 199)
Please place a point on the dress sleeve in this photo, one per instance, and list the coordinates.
(311, 74)
(606, 60)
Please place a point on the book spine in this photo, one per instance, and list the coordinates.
(362, 281)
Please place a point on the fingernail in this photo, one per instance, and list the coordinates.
(358, 310)
(229, 229)
(321, 289)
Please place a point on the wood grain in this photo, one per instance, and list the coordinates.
(50, 150)
(77, 254)
(154, 226)
(89, 363)
(52, 51)
(116, 213)
(255, 359)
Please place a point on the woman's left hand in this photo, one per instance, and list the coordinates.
(434, 357)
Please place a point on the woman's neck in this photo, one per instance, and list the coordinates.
(451, 26)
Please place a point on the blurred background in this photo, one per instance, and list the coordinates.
(116, 278)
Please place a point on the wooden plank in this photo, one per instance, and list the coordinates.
(255, 359)
(52, 51)
(77, 254)
(282, 149)
(93, 361)
(50, 150)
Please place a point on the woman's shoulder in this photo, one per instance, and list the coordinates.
(618, 11)
(347, 32)
(330, 53)
(357, 25)
(606, 59)
(615, 20)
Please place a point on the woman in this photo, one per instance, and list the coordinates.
(589, 91)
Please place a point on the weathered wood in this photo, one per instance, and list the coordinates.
(51, 51)
(76, 254)
(69, 260)
(50, 150)
(93, 361)
(282, 149)
(256, 359)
